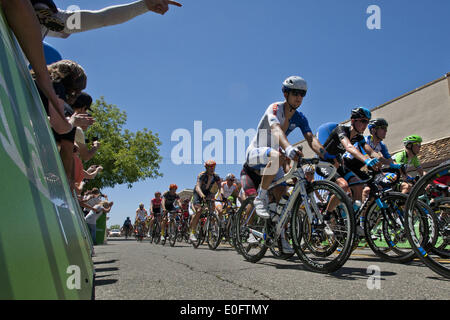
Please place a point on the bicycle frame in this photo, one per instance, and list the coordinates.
(300, 188)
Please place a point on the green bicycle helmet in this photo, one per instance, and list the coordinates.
(412, 139)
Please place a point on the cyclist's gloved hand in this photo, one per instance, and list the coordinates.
(371, 162)
(395, 166)
(291, 152)
(410, 179)
(328, 156)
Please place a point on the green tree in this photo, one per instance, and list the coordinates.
(126, 157)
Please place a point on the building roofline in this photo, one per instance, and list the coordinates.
(447, 75)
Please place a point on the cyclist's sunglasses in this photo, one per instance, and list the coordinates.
(364, 121)
(298, 92)
(381, 127)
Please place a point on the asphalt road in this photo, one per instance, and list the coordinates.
(126, 269)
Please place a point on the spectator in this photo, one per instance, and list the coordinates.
(69, 79)
(22, 21)
(91, 199)
(81, 174)
(93, 215)
(80, 107)
(61, 23)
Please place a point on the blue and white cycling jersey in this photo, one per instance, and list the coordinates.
(380, 148)
(275, 115)
(258, 151)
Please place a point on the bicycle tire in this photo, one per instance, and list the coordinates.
(199, 233)
(173, 230)
(213, 232)
(422, 248)
(157, 233)
(344, 229)
(443, 249)
(388, 243)
(243, 230)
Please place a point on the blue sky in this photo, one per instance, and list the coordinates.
(223, 62)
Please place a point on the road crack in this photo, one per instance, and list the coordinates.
(253, 290)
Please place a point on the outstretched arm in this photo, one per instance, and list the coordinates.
(112, 15)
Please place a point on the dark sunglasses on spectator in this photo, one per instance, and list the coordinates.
(298, 92)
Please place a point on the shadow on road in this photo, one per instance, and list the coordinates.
(104, 282)
(348, 273)
(105, 262)
(97, 270)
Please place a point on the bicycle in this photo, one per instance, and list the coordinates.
(227, 222)
(128, 230)
(436, 232)
(140, 231)
(183, 227)
(208, 227)
(384, 222)
(436, 197)
(155, 232)
(172, 226)
(319, 251)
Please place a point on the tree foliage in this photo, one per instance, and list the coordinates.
(126, 157)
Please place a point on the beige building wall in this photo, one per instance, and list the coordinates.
(424, 111)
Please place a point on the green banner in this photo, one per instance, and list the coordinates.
(45, 248)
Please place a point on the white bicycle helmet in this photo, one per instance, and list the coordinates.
(294, 83)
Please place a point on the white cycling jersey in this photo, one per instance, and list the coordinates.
(259, 148)
(228, 191)
(141, 214)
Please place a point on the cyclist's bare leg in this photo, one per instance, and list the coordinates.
(196, 217)
(405, 187)
(334, 202)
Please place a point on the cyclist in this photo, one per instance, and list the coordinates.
(169, 199)
(378, 130)
(127, 225)
(343, 139)
(155, 209)
(228, 189)
(409, 158)
(264, 161)
(141, 217)
(202, 191)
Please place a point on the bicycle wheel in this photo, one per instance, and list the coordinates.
(436, 237)
(387, 238)
(199, 233)
(213, 232)
(322, 249)
(172, 233)
(249, 232)
(156, 233)
(441, 240)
